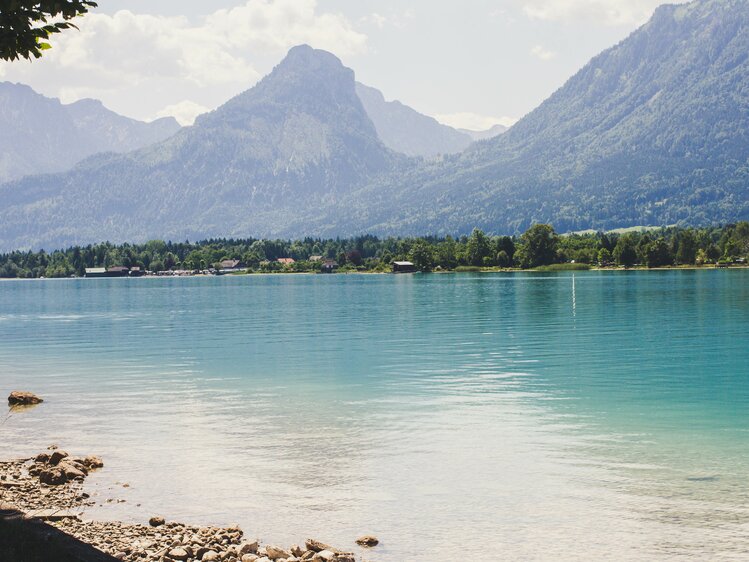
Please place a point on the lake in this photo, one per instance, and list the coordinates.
(511, 416)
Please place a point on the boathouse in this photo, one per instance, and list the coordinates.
(96, 272)
(403, 267)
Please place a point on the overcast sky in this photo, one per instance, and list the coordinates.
(470, 63)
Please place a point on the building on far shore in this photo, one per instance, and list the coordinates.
(403, 267)
(329, 266)
(117, 271)
(230, 266)
(315, 258)
(285, 261)
(96, 272)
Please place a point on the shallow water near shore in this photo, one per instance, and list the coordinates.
(502, 416)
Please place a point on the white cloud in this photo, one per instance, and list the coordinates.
(185, 111)
(277, 25)
(375, 19)
(542, 53)
(398, 20)
(140, 63)
(608, 12)
(474, 121)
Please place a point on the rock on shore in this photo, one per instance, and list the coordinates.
(50, 486)
(22, 398)
(176, 542)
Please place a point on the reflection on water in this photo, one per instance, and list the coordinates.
(523, 416)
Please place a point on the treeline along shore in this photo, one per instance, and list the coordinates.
(538, 247)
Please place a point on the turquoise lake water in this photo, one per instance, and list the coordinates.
(500, 416)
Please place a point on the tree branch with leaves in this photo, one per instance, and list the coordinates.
(26, 26)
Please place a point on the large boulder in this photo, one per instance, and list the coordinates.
(249, 547)
(368, 541)
(178, 553)
(274, 552)
(22, 398)
(72, 472)
(317, 546)
(54, 476)
(91, 462)
(42, 458)
(57, 456)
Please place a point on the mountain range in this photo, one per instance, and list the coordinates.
(409, 132)
(40, 134)
(653, 131)
(490, 133)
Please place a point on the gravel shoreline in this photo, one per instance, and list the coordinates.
(50, 487)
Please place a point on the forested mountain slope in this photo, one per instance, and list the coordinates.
(653, 131)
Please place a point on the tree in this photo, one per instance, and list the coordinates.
(170, 261)
(686, 248)
(658, 254)
(422, 256)
(701, 257)
(604, 257)
(507, 245)
(712, 252)
(355, 257)
(447, 253)
(477, 247)
(625, 251)
(642, 248)
(25, 27)
(539, 246)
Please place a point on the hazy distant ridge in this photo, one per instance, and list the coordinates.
(405, 130)
(40, 134)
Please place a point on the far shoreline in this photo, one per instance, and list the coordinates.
(477, 270)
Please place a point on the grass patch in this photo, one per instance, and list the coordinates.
(468, 269)
(564, 267)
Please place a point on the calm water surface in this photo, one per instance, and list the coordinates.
(519, 416)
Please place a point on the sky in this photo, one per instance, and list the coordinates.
(468, 63)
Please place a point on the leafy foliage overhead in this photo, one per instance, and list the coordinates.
(25, 26)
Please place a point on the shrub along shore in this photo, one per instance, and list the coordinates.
(539, 247)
